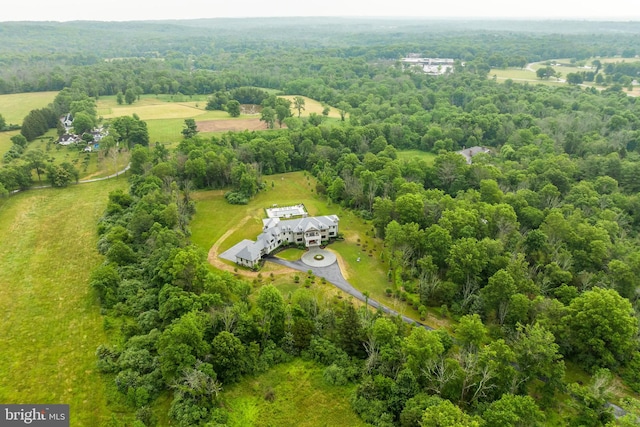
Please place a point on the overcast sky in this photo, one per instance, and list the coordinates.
(128, 10)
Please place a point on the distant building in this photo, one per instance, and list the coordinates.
(67, 121)
(432, 66)
(468, 153)
(68, 139)
(307, 231)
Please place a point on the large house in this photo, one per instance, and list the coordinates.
(432, 66)
(309, 231)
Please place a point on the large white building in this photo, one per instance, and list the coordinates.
(309, 231)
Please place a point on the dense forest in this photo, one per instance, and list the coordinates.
(532, 248)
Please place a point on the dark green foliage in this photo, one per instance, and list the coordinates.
(62, 175)
(190, 128)
(130, 131)
(248, 95)
(37, 123)
(105, 280)
(513, 411)
(233, 108)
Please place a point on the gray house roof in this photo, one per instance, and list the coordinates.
(313, 222)
(252, 251)
(273, 229)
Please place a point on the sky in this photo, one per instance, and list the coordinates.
(133, 10)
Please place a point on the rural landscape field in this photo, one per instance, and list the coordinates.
(467, 252)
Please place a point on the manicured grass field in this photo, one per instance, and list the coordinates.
(51, 323)
(411, 154)
(15, 107)
(522, 75)
(215, 216)
(300, 398)
(291, 254)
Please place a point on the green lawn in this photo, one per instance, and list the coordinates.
(15, 107)
(412, 154)
(291, 254)
(51, 323)
(301, 398)
(215, 216)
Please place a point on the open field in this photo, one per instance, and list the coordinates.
(15, 107)
(51, 323)
(561, 65)
(5, 141)
(165, 118)
(311, 106)
(149, 108)
(521, 75)
(301, 398)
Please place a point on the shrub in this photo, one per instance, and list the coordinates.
(235, 198)
(334, 375)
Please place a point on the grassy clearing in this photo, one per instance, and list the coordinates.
(412, 154)
(301, 398)
(15, 107)
(215, 217)
(311, 106)
(51, 320)
(165, 117)
(522, 75)
(150, 108)
(5, 141)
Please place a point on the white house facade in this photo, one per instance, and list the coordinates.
(309, 231)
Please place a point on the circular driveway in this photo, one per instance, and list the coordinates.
(309, 257)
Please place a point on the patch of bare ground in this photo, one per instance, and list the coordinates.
(234, 125)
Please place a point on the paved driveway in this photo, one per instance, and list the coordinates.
(334, 276)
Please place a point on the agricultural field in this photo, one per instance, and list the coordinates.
(291, 394)
(15, 107)
(150, 107)
(51, 319)
(165, 116)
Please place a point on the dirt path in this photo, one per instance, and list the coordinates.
(213, 259)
